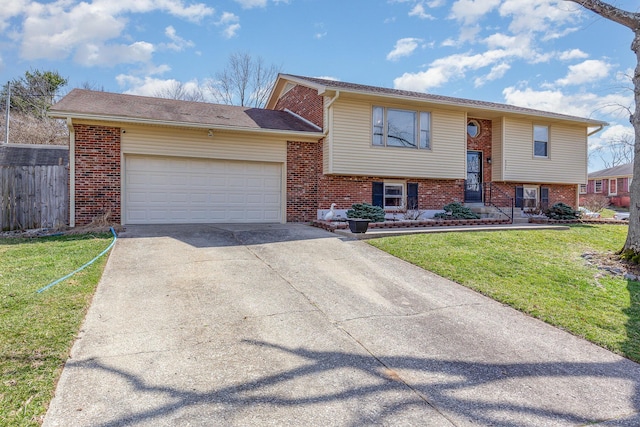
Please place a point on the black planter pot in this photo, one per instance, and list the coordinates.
(358, 225)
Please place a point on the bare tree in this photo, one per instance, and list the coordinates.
(179, 90)
(617, 151)
(31, 97)
(630, 20)
(245, 81)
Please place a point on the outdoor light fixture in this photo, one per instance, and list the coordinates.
(210, 134)
(489, 160)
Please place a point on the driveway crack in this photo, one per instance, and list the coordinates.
(409, 315)
(336, 324)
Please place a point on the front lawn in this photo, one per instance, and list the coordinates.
(539, 272)
(37, 330)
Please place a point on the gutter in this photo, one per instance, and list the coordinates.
(143, 121)
(596, 131)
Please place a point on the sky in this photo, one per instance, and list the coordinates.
(550, 55)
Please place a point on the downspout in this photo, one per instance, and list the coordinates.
(598, 129)
(595, 131)
(72, 173)
(326, 131)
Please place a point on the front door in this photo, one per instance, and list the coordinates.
(473, 187)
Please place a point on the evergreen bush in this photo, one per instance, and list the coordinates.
(456, 211)
(561, 211)
(366, 211)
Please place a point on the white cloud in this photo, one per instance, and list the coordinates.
(404, 47)
(443, 70)
(581, 104)
(497, 72)
(418, 10)
(250, 4)
(568, 55)
(177, 43)
(92, 33)
(588, 71)
(319, 36)
(90, 54)
(540, 16)
(470, 11)
(155, 87)
(421, 81)
(231, 24)
(11, 9)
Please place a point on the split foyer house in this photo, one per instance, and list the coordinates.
(317, 142)
(613, 183)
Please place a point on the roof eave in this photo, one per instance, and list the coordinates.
(144, 121)
(329, 90)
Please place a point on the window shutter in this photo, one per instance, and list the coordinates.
(377, 198)
(519, 196)
(544, 197)
(412, 195)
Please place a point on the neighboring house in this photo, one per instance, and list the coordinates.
(149, 160)
(613, 183)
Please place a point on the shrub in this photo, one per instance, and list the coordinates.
(561, 211)
(595, 202)
(456, 211)
(366, 211)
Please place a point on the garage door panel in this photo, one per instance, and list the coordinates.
(175, 190)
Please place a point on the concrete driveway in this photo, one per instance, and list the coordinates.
(279, 325)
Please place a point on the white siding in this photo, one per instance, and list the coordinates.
(349, 150)
(196, 143)
(567, 153)
(497, 156)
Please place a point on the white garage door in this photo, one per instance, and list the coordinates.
(163, 190)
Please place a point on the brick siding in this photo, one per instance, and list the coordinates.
(565, 193)
(304, 102)
(308, 189)
(482, 142)
(97, 157)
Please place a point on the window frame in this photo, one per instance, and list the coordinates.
(595, 186)
(474, 122)
(380, 128)
(615, 192)
(546, 143)
(582, 188)
(402, 197)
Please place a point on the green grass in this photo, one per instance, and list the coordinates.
(541, 273)
(607, 213)
(37, 330)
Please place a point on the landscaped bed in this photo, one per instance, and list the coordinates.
(38, 329)
(551, 275)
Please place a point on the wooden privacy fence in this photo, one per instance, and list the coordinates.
(33, 196)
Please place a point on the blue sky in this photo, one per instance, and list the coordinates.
(545, 54)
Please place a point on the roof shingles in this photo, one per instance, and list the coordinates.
(105, 105)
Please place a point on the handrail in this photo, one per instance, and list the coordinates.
(489, 189)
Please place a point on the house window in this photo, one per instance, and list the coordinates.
(395, 195)
(401, 128)
(598, 186)
(613, 187)
(473, 128)
(583, 188)
(529, 197)
(540, 141)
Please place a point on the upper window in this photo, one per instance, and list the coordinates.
(401, 128)
(598, 186)
(541, 141)
(473, 128)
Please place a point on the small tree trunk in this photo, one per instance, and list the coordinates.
(632, 245)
